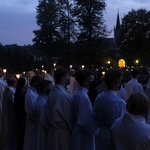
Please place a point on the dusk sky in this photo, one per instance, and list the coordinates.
(18, 18)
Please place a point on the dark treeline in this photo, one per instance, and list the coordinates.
(73, 32)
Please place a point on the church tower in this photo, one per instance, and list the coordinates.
(117, 31)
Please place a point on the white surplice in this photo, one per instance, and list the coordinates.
(133, 86)
(107, 107)
(85, 128)
(130, 133)
(30, 140)
(59, 115)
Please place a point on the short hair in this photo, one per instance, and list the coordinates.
(11, 81)
(43, 84)
(111, 76)
(138, 104)
(21, 83)
(59, 73)
(35, 80)
(82, 75)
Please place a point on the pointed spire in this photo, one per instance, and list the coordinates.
(118, 20)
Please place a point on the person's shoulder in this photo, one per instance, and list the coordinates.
(116, 123)
(120, 100)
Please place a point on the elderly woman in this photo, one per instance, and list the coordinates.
(131, 132)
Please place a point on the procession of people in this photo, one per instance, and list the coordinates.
(75, 110)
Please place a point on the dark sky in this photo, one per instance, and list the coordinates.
(17, 18)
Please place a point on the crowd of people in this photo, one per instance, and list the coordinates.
(63, 110)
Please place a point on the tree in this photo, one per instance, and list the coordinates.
(48, 22)
(56, 22)
(135, 33)
(89, 14)
(67, 30)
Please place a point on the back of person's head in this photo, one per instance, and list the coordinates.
(44, 85)
(59, 73)
(22, 82)
(35, 80)
(12, 81)
(138, 104)
(82, 75)
(135, 73)
(113, 78)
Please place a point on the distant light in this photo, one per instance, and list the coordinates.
(82, 66)
(103, 72)
(108, 62)
(70, 66)
(121, 63)
(4, 70)
(18, 76)
(136, 61)
(54, 64)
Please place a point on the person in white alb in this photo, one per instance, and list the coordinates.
(133, 85)
(131, 132)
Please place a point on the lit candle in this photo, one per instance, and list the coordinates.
(18, 76)
(82, 66)
(54, 64)
(4, 70)
(103, 73)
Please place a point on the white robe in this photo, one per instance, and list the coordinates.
(3, 85)
(59, 116)
(41, 133)
(85, 128)
(30, 140)
(133, 86)
(107, 107)
(130, 133)
(121, 93)
(42, 141)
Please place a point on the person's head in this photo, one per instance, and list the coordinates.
(61, 76)
(138, 104)
(135, 73)
(45, 86)
(35, 81)
(84, 78)
(12, 81)
(21, 84)
(113, 79)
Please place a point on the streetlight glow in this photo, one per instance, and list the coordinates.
(136, 61)
(108, 61)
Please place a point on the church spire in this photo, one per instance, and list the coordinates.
(117, 30)
(118, 21)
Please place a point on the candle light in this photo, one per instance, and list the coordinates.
(4, 70)
(103, 72)
(18, 76)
